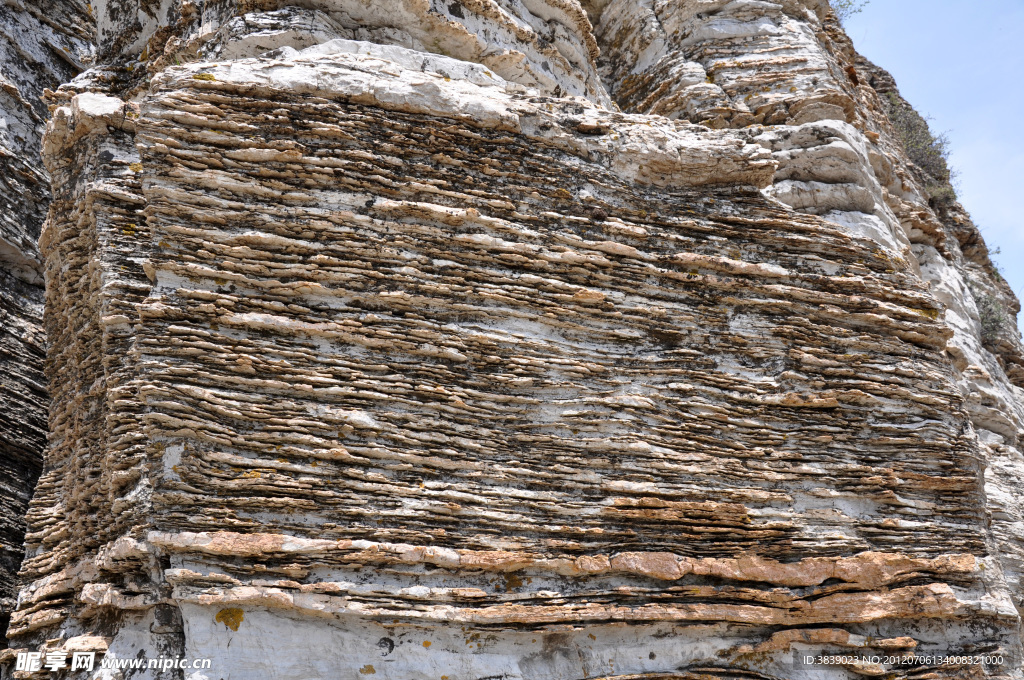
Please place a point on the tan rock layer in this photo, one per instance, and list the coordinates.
(866, 570)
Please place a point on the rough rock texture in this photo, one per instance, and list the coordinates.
(788, 69)
(374, 354)
(22, 422)
(546, 44)
(42, 44)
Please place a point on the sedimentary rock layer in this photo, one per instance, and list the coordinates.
(22, 421)
(41, 45)
(545, 44)
(822, 109)
(375, 361)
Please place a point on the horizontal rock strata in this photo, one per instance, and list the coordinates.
(377, 358)
(22, 422)
(822, 110)
(544, 44)
(42, 44)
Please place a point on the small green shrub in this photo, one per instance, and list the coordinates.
(993, 315)
(930, 152)
(940, 194)
(844, 9)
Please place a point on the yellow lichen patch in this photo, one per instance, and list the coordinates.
(231, 617)
(932, 314)
(426, 643)
(368, 670)
(135, 167)
(203, 76)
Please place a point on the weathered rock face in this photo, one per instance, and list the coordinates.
(41, 45)
(787, 68)
(545, 44)
(22, 422)
(375, 355)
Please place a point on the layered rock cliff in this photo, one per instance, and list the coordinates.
(41, 45)
(526, 340)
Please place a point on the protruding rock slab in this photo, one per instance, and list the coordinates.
(387, 356)
(543, 44)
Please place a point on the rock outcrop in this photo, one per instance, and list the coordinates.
(789, 70)
(383, 343)
(41, 45)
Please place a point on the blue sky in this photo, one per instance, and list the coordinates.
(962, 63)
